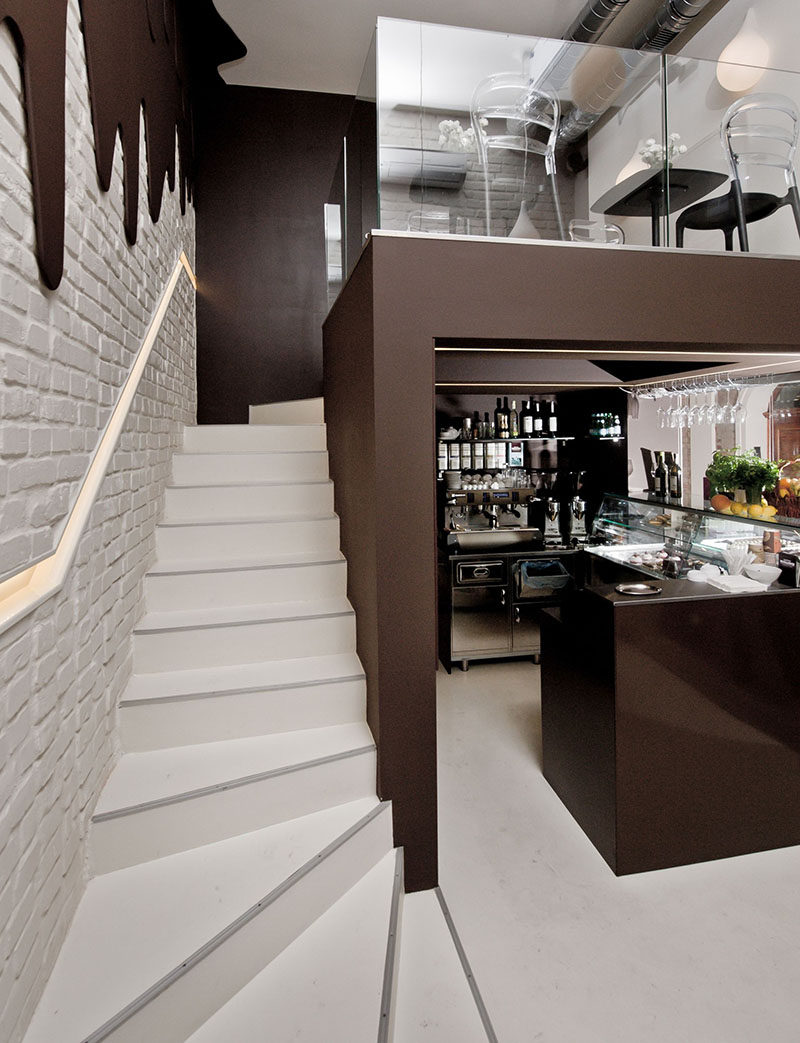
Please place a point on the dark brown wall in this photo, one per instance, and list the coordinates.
(405, 293)
(266, 162)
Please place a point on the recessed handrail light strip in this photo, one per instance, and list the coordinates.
(24, 592)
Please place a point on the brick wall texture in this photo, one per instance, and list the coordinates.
(463, 210)
(63, 358)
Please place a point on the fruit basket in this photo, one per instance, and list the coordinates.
(785, 497)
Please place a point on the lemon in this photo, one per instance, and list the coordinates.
(739, 508)
(755, 510)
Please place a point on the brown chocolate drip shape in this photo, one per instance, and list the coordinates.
(137, 60)
(131, 57)
(39, 28)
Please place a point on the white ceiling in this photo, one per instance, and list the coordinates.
(317, 45)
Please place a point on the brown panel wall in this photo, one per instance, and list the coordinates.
(266, 163)
(380, 409)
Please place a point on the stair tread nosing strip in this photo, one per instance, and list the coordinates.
(462, 955)
(282, 519)
(388, 993)
(275, 482)
(159, 700)
(195, 568)
(222, 936)
(221, 787)
(255, 621)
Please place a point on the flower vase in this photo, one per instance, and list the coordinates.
(753, 493)
(524, 228)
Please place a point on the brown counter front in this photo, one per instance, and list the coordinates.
(671, 725)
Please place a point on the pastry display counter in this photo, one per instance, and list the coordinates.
(671, 722)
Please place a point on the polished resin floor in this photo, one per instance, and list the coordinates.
(562, 950)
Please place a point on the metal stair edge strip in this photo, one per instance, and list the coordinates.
(248, 452)
(491, 1036)
(257, 520)
(155, 990)
(162, 700)
(229, 784)
(391, 964)
(262, 484)
(255, 621)
(196, 568)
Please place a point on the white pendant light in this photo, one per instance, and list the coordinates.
(742, 63)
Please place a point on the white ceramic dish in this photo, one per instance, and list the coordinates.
(762, 573)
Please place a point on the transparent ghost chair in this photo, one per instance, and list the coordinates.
(508, 112)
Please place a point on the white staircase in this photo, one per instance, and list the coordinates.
(243, 882)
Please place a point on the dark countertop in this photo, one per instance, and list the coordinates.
(680, 590)
(519, 550)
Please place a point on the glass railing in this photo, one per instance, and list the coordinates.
(481, 133)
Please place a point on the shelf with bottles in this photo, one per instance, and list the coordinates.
(605, 426)
(536, 419)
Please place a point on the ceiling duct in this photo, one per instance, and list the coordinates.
(593, 20)
(668, 22)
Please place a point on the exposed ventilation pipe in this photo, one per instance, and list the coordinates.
(671, 19)
(667, 23)
(593, 20)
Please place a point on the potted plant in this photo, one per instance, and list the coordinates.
(741, 469)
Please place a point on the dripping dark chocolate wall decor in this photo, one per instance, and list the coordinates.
(39, 28)
(145, 59)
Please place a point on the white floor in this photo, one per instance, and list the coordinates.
(562, 950)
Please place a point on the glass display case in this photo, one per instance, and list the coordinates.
(668, 539)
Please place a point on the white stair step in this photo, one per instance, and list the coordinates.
(255, 584)
(276, 673)
(327, 984)
(243, 634)
(147, 929)
(185, 722)
(221, 468)
(434, 999)
(243, 541)
(162, 801)
(299, 411)
(247, 438)
(186, 707)
(196, 503)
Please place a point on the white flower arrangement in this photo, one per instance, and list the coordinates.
(654, 153)
(453, 137)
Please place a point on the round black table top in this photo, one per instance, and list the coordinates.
(642, 192)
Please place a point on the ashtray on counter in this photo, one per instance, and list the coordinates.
(637, 589)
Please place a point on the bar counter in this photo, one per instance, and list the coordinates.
(671, 724)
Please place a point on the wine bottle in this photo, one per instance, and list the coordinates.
(675, 480)
(660, 477)
(502, 419)
(538, 423)
(498, 410)
(526, 419)
(552, 420)
(488, 426)
(476, 425)
(513, 420)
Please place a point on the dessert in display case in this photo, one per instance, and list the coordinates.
(670, 540)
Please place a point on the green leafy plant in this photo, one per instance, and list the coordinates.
(741, 469)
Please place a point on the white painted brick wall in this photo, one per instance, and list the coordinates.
(63, 357)
(409, 129)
